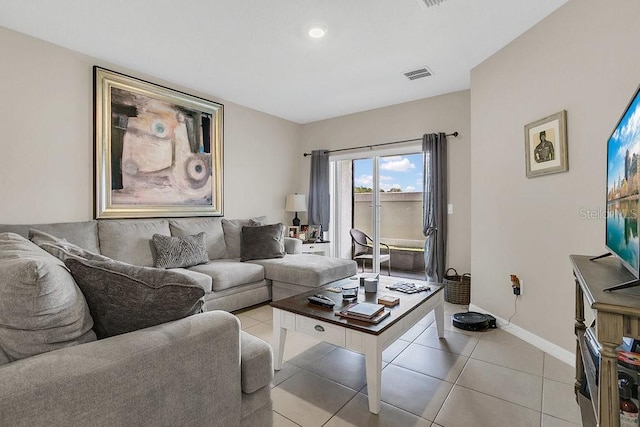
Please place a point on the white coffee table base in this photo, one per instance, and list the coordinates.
(368, 344)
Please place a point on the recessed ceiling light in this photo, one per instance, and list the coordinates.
(316, 32)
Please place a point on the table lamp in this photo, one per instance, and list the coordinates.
(296, 203)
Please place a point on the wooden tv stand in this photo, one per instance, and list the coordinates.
(617, 315)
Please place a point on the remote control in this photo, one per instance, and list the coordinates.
(321, 300)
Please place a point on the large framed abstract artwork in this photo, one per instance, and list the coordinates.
(158, 151)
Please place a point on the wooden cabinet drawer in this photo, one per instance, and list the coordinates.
(322, 330)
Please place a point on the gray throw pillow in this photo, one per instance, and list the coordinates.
(61, 248)
(262, 242)
(41, 308)
(233, 233)
(124, 298)
(181, 251)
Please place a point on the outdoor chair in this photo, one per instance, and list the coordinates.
(363, 246)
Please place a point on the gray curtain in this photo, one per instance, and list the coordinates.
(434, 204)
(319, 189)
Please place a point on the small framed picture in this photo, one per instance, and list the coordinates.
(293, 231)
(304, 231)
(546, 145)
(314, 232)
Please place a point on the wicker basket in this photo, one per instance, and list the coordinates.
(457, 288)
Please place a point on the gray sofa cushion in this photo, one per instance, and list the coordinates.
(233, 233)
(227, 273)
(203, 280)
(83, 234)
(41, 308)
(256, 363)
(61, 248)
(306, 269)
(181, 251)
(262, 242)
(130, 240)
(292, 246)
(123, 298)
(216, 248)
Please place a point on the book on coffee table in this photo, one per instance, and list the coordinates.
(373, 320)
(364, 309)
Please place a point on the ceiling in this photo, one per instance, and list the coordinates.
(257, 54)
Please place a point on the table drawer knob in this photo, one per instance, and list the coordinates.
(318, 328)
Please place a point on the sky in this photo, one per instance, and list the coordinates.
(625, 137)
(404, 172)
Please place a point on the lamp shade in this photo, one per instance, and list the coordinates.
(296, 203)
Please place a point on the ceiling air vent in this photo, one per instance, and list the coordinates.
(432, 2)
(418, 74)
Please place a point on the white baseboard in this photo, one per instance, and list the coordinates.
(544, 345)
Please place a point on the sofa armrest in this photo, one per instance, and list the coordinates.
(177, 373)
(256, 363)
(292, 245)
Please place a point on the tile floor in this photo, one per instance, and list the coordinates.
(479, 379)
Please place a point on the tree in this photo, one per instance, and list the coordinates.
(395, 190)
(361, 189)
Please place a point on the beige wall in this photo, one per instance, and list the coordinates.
(583, 59)
(46, 140)
(410, 120)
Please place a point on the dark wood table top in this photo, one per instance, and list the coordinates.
(604, 273)
(408, 302)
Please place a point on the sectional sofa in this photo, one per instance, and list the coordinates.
(197, 370)
(229, 284)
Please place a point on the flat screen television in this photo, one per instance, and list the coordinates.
(623, 179)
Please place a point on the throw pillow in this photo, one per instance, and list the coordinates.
(233, 233)
(124, 298)
(41, 308)
(130, 240)
(216, 248)
(263, 242)
(61, 248)
(182, 251)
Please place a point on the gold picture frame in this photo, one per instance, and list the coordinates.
(158, 151)
(545, 145)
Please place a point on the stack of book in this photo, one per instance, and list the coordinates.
(364, 311)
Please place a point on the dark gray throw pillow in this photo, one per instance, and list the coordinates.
(180, 251)
(124, 298)
(262, 242)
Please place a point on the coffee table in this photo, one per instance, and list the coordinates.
(297, 314)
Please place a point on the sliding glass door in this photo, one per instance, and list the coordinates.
(386, 201)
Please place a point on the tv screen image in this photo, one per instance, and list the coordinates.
(623, 177)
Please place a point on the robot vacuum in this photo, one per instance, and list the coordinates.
(472, 321)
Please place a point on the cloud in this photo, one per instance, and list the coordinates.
(386, 178)
(397, 164)
(628, 134)
(410, 188)
(364, 181)
(387, 187)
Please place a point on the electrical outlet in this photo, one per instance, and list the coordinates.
(516, 284)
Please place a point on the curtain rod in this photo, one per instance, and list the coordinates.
(454, 134)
